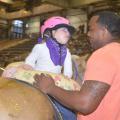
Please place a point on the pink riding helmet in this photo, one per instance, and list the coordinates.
(55, 23)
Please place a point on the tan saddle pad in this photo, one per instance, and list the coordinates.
(27, 76)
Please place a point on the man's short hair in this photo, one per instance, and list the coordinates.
(111, 21)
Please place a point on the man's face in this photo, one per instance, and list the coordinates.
(96, 34)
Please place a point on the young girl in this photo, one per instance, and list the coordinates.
(52, 55)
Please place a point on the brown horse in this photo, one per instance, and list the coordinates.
(21, 101)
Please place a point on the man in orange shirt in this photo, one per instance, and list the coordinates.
(99, 96)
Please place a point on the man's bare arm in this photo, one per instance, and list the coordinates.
(84, 101)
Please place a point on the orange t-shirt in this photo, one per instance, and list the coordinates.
(104, 66)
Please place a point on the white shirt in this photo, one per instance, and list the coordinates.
(40, 59)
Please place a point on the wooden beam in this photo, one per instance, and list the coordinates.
(7, 1)
(44, 8)
(77, 3)
(61, 3)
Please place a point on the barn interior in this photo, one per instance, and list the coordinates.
(20, 22)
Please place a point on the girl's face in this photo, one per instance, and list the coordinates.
(61, 35)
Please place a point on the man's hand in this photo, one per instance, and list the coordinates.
(44, 82)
